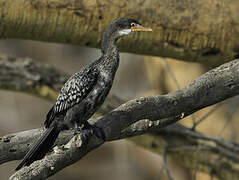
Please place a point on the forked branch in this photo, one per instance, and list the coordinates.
(135, 117)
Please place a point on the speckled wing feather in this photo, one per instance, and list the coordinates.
(73, 92)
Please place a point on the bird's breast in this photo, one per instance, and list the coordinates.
(105, 76)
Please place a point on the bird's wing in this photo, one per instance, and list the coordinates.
(73, 92)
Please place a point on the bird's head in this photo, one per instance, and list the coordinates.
(118, 28)
(125, 26)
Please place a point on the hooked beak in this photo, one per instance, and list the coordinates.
(140, 28)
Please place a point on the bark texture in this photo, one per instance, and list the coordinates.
(190, 148)
(25, 75)
(200, 31)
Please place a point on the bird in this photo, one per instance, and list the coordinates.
(84, 92)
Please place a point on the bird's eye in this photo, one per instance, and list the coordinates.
(133, 24)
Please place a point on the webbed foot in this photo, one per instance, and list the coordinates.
(85, 136)
(97, 131)
(77, 130)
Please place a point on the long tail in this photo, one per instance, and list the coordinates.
(41, 147)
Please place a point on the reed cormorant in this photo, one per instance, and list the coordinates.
(84, 92)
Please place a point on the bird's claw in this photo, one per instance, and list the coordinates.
(98, 132)
(85, 136)
(77, 130)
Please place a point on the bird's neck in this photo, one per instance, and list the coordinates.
(110, 60)
(110, 52)
(109, 48)
(108, 44)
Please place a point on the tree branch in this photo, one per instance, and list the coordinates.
(126, 120)
(26, 75)
(191, 30)
(14, 146)
(195, 150)
(210, 88)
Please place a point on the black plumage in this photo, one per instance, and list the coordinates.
(84, 92)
